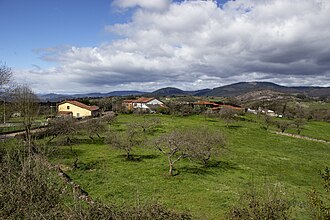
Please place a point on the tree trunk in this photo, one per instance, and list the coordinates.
(128, 155)
(28, 137)
(170, 172)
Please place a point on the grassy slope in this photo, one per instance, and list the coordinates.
(252, 153)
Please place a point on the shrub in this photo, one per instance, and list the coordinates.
(267, 202)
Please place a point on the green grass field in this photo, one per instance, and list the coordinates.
(252, 154)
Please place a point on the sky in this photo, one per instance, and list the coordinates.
(82, 46)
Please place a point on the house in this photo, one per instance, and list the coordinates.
(206, 104)
(77, 109)
(142, 103)
(128, 104)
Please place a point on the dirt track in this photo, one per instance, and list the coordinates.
(300, 137)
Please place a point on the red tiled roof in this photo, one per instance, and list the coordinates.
(81, 105)
(143, 100)
(128, 101)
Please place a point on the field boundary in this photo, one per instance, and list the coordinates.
(300, 137)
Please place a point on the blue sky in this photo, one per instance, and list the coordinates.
(28, 25)
(103, 45)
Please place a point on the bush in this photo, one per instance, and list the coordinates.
(27, 189)
(319, 203)
(267, 202)
(30, 190)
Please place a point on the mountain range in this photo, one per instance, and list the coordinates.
(231, 90)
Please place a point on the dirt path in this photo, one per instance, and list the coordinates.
(3, 137)
(300, 137)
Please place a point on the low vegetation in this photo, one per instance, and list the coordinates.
(244, 151)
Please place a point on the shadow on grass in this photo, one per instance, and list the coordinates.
(234, 126)
(207, 169)
(221, 165)
(211, 120)
(88, 165)
(195, 170)
(138, 158)
(65, 153)
(73, 141)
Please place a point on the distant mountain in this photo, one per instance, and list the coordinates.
(60, 97)
(246, 87)
(236, 89)
(124, 93)
(201, 92)
(168, 91)
(53, 97)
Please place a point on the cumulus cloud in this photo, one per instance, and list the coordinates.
(197, 44)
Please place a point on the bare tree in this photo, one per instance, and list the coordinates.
(63, 126)
(283, 125)
(173, 146)
(26, 103)
(197, 144)
(5, 75)
(110, 118)
(95, 126)
(126, 140)
(227, 114)
(299, 124)
(268, 120)
(148, 124)
(5, 78)
(203, 143)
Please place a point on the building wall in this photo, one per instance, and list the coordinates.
(128, 106)
(76, 111)
(155, 102)
(139, 105)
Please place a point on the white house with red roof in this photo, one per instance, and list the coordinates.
(142, 103)
(77, 109)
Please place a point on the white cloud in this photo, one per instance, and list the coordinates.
(195, 45)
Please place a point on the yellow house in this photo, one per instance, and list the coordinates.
(77, 109)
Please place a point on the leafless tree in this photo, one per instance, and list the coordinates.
(299, 124)
(227, 114)
(268, 120)
(197, 144)
(62, 126)
(95, 126)
(283, 125)
(203, 143)
(110, 118)
(5, 79)
(27, 104)
(173, 146)
(126, 140)
(5, 75)
(147, 124)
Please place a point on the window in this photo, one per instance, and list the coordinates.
(68, 107)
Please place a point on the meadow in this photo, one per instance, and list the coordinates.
(252, 156)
